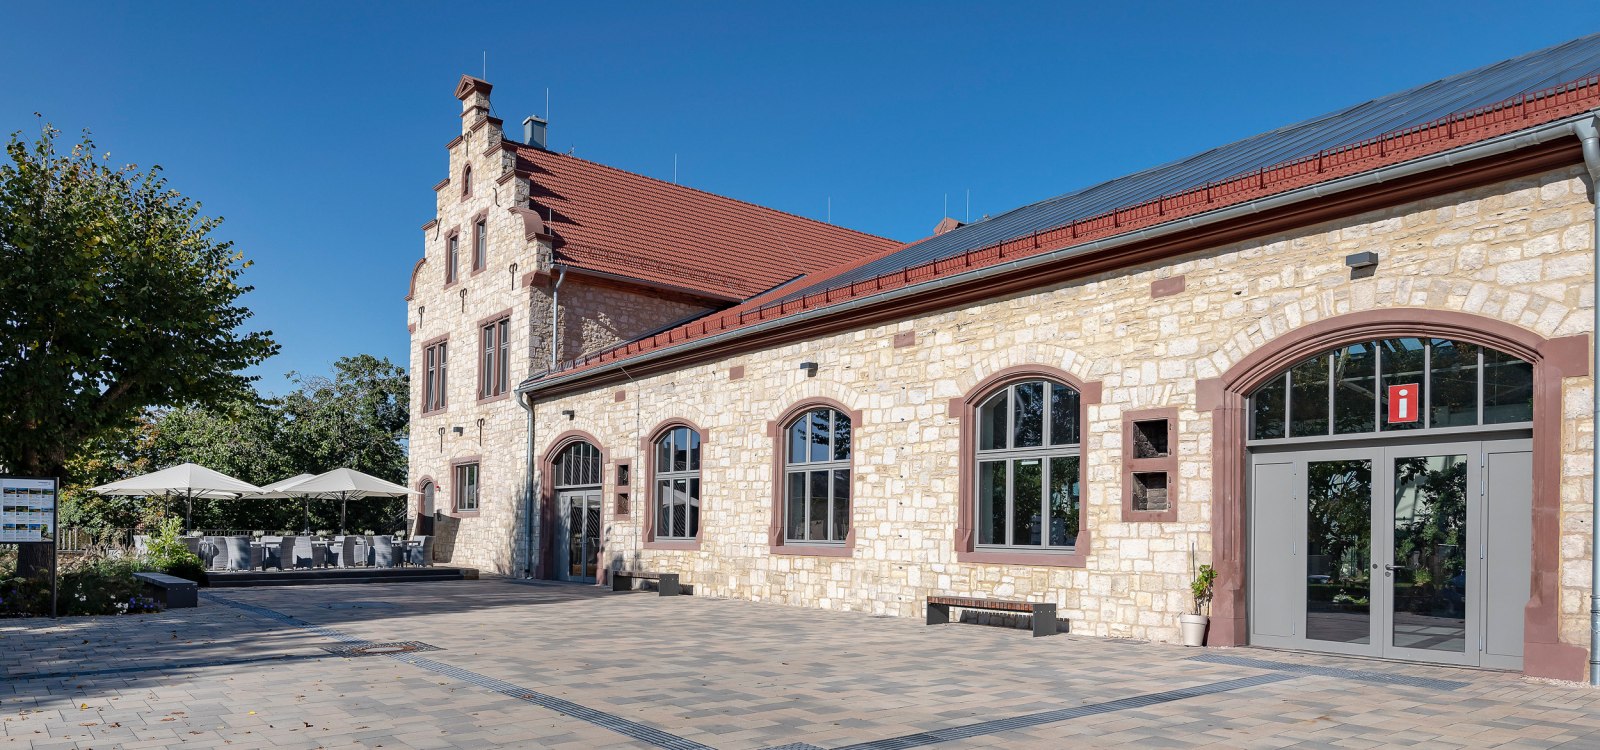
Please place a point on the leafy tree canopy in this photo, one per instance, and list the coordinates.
(115, 298)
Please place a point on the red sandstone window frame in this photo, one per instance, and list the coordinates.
(457, 486)
(644, 496)
(965, 411)
(1168, 465)
(435, 375)
(452, 256)
(494, 368)
(480, 241)
(777, 430)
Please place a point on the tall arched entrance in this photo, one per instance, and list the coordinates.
(1387, 484)
(573, 538)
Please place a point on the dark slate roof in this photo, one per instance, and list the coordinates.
(1478, 88)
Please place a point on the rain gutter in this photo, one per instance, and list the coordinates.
(1496, 146)
(1588, 131)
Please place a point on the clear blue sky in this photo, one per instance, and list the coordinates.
(318, 129)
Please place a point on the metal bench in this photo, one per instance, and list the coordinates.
(1044, 613)
(666, 583)
(173, 592)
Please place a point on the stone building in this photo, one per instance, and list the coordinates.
(1346, 363)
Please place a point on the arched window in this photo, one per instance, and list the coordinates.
(578, 465)
(677, 484)
(466, 181)
(1028, 467)
(816, 471)
(1393, 385)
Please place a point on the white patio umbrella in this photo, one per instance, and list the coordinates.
(346, 485)
(275, 491)
(186, 480)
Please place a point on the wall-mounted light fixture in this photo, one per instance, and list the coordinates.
(1361, 260)
(459, 430)
(569, 414)
(810, 368)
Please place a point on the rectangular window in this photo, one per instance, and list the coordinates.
(452, 256)
(493, 373)
(466, 489)
(480, 245)
(436, 361)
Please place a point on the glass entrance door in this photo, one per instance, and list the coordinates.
(580, 531)
(1405, 551)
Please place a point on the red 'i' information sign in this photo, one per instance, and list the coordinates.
(1405, 401)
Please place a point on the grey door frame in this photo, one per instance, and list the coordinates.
(564, 501)
(1383, 453)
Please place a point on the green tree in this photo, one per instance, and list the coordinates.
(114, 298)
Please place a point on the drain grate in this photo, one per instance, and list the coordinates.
(381, 649)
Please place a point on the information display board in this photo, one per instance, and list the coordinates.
(27, 510)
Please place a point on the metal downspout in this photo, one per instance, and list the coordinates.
(555, 316)
(525, 400)
(1588, 131)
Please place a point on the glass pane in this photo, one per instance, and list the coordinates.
(664, 453)
(664, 508)
(1266, 408)
(680, 508)
(575, 566)
(694, 450)
(1507, 388)
(680, 449)
(1063, 415)
(841, 504)
(591, 537)
(992, 502)
(693, 502)
(1028, 415)
(817, 522)
(1308, 397)
(1430, 538)
(1403, 364)
(1064, 497)
(841, 436)
(1452, 384)
(1027, 491)
(1354, 392)
(820, 430)
(796, 499)
(797, 441)
(992, 422)
(1339, 551)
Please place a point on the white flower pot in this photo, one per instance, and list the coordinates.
(1194, 629)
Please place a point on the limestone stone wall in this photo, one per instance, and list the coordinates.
(1518, 252)
(493, 432)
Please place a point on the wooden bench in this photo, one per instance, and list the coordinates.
(173, 592)
(666, 583)
(1044, 614)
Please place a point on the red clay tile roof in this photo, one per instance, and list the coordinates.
(617, 222)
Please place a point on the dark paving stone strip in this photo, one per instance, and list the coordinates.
(1385, 678)
(979, 729)
(168, 666)
(601, 719)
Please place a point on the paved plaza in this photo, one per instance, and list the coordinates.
(496, 663)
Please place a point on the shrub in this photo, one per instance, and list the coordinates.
(167, 553)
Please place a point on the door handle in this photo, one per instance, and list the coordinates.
(1394, 567)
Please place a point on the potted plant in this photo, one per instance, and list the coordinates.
(1194, 625)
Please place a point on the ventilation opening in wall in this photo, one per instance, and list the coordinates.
(1150, 490)
(622, 504)
(1150, 438)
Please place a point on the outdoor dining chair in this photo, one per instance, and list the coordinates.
(214, 552)
(241, 554)
(343, 552)
(419, 551)
(307, 554)
(272, 552)
(383, 551)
